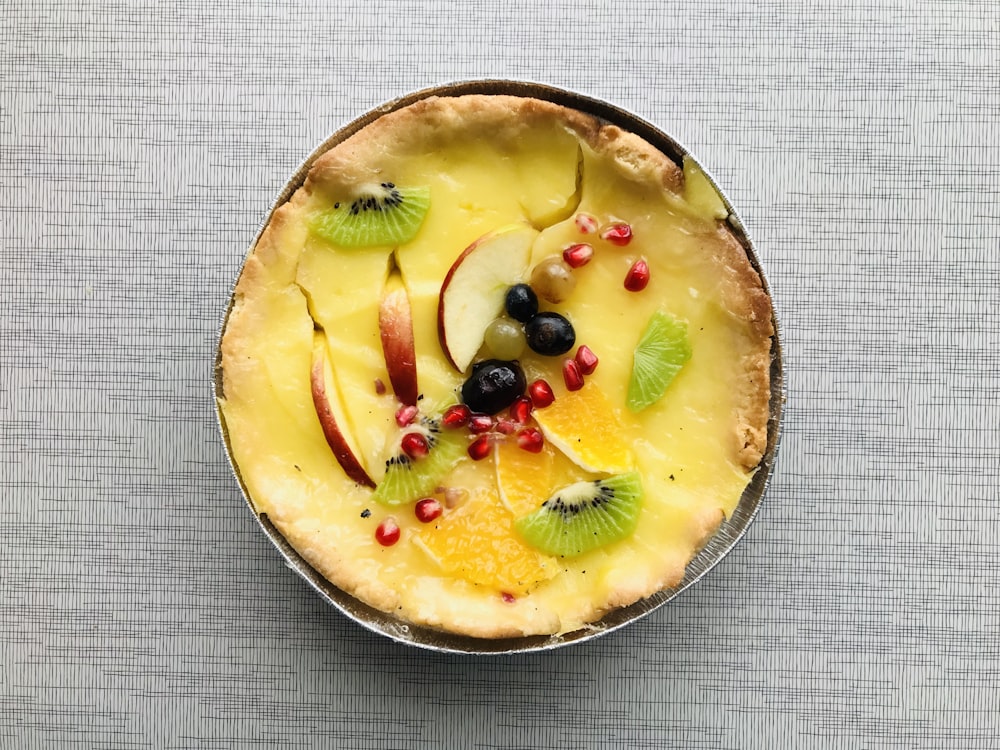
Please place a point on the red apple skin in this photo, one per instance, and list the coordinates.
(442, 338)
(442, 335)
(395, 325)
(334, 437)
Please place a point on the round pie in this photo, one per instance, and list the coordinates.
(497, 367)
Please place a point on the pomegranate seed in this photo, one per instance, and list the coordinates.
(572, 375)
(541, 394)
(520, 410)
(578, 255)
(586, 223)
(508, 598)
(531, 440)
(406, 414)
(427, 509)
(617, 234)
(387, 533)
(456, 416)
(506, 427)
(480, 447)
(479, 423)
(414, 445)
(586, 360)
(379, 387)
(638, 276)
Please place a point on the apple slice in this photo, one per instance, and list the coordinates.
(473, 291)
(395, 326)
(331, 414)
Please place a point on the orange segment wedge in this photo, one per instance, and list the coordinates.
(477, 542)
(588, 429)
(525, 480)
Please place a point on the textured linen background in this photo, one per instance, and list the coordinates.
(142, 608)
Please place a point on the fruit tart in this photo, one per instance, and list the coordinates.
(497, 367)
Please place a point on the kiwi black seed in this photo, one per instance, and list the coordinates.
(585, 516)
(377, 214)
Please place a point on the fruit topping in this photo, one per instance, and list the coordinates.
(493, 385)
(427, 510)
(521, 302)
(480, 447)
(572, 376)
(618, 233)
(661, 352)
(578, 255)
(477, 543)
(586, 428)
(638, 276)
(508, 598)
(406, 415)
(387, 533)
(395, 324)
(584, 516)
(505, 339)
(520, 410)
(586, 223)
(414, 445)
(531, 440)
(541, 393)
(480, 423)
(553, 279)
(456, 416)
(474, 290)
(505, 426)
(379, 387)
(330, 412)
(379, 214)
(550, 334)
(586, 360)
(406, 480)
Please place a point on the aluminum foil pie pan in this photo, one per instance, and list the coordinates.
(718, 545)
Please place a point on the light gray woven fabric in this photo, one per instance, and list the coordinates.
(141, 145)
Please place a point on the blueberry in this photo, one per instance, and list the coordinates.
(521, 302)
(550, 334)
(493, 386)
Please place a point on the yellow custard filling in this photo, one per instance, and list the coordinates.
(489, 163)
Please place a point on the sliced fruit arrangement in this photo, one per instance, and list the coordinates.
(477, 542)
(585, 516)
(583, 425)
(660, 354)
(473, 292)
(395, 324)
(332, 418)
(378, 214)
(487, 318)
(415, 472)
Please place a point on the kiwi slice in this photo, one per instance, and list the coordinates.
(658, 357)
(584, 516)
(408, 479)
(380, 214)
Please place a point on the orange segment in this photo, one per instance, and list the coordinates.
(526, 480)
(586, 427)
(477, 542)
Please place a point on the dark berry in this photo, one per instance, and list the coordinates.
(521, 302)
(493, 385)
(550, 334)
